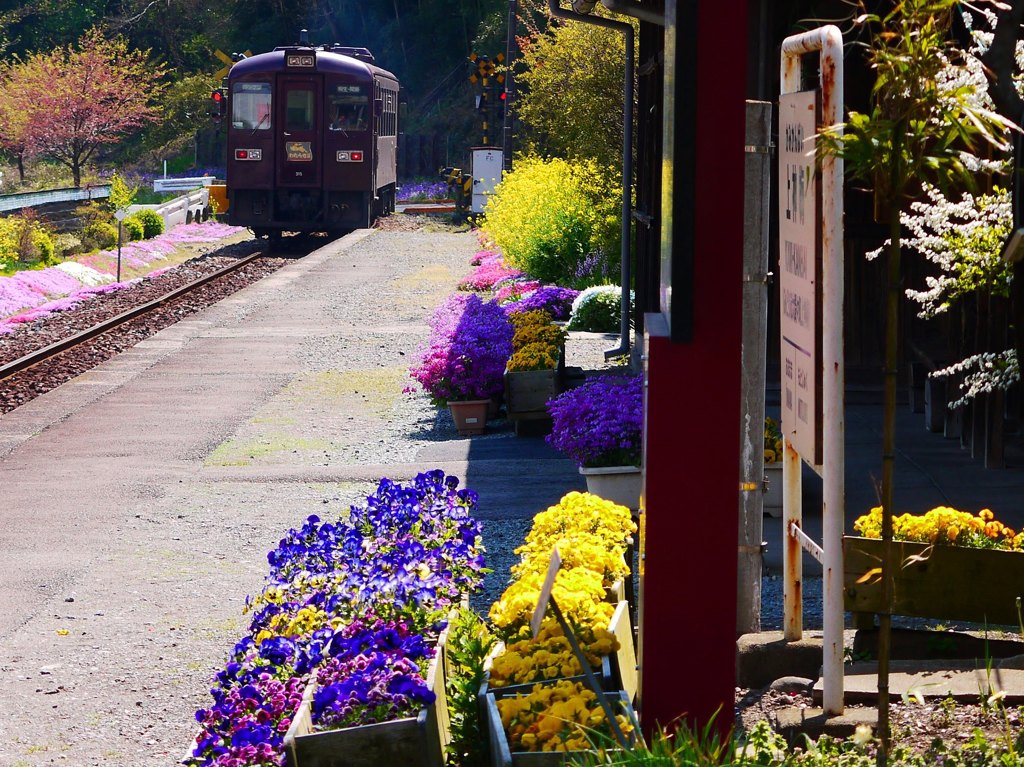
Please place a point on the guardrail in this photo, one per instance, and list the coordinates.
(181, 184)
(21, 200)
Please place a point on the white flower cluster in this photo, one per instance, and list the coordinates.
(982, 374)
(85, 274)
(964, 239)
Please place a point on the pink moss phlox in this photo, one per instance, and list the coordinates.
(484, 257)
(470, 342)
(515, 290)
(31, 288)
(486, 274)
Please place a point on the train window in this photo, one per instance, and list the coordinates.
(250, 106)
(299, 107)
(348, 108)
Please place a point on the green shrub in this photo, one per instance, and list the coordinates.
(23, 240)
(100, 235)
(152, 222)
(557, 221)
(67, 244)
(597, 310)
(132, 229)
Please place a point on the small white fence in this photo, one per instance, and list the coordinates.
(194, 206)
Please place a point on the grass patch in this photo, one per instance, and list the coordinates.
(244, 453)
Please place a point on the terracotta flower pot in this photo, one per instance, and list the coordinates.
(470, 415)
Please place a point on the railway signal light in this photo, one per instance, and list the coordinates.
(218, 105)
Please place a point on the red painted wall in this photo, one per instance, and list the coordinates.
(691, 456)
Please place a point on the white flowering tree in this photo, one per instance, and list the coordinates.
(926, 124)
(964, 237)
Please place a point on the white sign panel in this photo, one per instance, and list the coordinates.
(799, 286)
(545, 592)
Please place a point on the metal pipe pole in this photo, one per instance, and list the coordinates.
(828, 41)
(510, 88)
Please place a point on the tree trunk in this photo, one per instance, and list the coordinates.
(21, 167)
(892, 316)
(1017, 310)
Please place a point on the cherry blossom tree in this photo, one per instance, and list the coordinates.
(14, 133)
(80, 98)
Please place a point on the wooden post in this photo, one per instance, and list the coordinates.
(755, 332)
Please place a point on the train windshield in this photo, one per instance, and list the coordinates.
(250, 106)
(348, 107)
(299, 108)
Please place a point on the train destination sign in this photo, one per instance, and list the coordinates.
(799, 268)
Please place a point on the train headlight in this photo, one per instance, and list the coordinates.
(354, 155)
(248, 154)
(296, 60)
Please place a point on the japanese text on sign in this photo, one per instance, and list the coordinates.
(799, 249)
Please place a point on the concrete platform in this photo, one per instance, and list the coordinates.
(964, 681)
(794, 722)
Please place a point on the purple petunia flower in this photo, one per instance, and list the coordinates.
(600, 422)
(470, 342)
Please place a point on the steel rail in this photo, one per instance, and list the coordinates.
(58, 347)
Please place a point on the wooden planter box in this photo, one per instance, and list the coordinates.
(503, 756)
(943, 582)
(527, 391)
(411, 742)
(618, 671)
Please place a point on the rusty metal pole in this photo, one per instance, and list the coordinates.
(792, 558)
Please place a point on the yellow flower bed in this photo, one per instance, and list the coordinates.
(534, 317)
(944, 525)
(536, 341)
(564, 716)
(578, 512)
(533, 357)
(591, 534)
(548, 335)
(580, 595)
(549, 656)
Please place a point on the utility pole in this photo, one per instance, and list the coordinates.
(507, 125)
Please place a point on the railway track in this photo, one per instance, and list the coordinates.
(80, 340)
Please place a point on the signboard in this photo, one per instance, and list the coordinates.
(799, 267)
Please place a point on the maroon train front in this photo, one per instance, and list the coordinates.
(312, 138)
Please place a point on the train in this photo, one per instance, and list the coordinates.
(312, 140)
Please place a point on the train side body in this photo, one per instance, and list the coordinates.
(312, 142)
